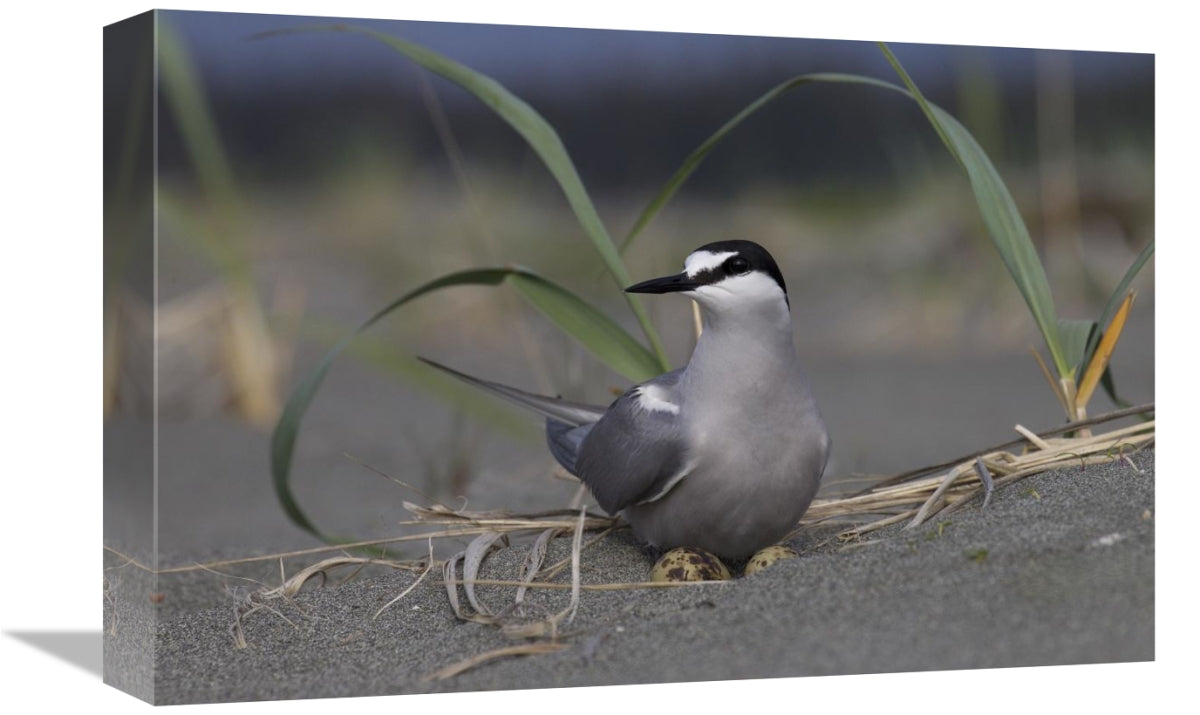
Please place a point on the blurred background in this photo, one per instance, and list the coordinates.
(306, 180)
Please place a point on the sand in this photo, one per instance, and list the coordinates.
(1058, 569)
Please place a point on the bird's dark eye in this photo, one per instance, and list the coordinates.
(736, 266)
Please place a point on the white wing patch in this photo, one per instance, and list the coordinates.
(655, 399)
(700, 261)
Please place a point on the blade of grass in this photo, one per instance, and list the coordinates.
(1075, 335)
(185, 97)
(1104, 351)
(927, 108)
(544, 141)
(593, 329)
(1004, 223)
(693, 160)
(390, 358)
(1114, 302)
(1000, 215)
(1110, 387)
(1116, 299)
(251, 357)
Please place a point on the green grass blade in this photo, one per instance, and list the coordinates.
(1110, 388)
(929, 109)
(544, 141)
(185, 97)
(1114, 300)
(999, 212)
(1000, 215)
(1075, 335)
(283, 438)
(592, 328)
(1003, 221)
(391, 359)
(693, 160)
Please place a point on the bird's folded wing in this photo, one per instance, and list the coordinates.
(633, 454)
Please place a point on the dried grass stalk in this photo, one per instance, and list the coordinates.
(533, 562)
(430, 563)
(923, 497)
(476, 552)
(526, 649)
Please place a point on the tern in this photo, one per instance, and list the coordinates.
(724, 454)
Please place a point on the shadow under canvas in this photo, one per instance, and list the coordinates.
(79, 648)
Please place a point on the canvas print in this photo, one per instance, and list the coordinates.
(446, 357)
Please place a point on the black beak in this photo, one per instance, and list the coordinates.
(668, 284)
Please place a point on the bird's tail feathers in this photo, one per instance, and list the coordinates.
(573, 414)
(565, 440)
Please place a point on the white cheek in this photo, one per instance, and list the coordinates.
(700, 261)
(748, 290)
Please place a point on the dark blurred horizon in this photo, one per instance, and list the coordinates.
(631, 105)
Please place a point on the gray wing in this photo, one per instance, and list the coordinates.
(632, 454)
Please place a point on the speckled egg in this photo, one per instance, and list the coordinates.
(768, 557)
(689, 564)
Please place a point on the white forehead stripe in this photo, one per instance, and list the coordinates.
(654, 398)
(701, 261)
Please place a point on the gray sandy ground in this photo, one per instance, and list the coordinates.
(1058, 569)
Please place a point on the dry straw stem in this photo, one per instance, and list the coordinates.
(290, 587)
(1033, 438)
(1062, 429)
(631, 585)
(527, 649)
(472, 559)
(534, 561)
(553, 570)
(264, 598)
(919, 499)
(549, 627)
(455, 524)
(1055, 387)
(430, 563)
